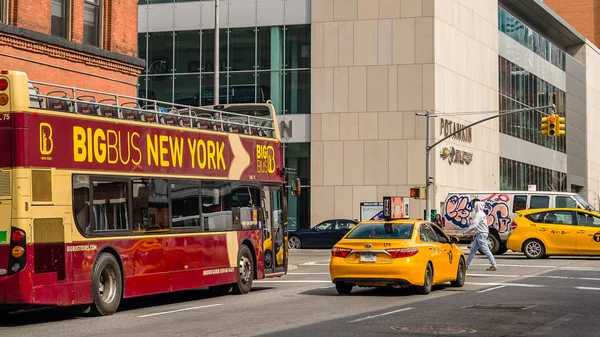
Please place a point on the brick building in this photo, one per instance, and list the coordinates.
(583, 15)
(90, 44)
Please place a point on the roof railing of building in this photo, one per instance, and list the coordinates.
(251, 119)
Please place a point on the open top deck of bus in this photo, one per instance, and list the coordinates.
(255, 119)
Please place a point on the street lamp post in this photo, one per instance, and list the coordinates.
(428, 147)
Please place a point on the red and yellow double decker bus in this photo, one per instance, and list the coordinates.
(104, 197)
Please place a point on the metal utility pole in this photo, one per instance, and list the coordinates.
(216, 90)
(427, 166)
(428, 147)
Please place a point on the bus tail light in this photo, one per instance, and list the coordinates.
(340, 252)
(18, 257)
(3, 84)
(396, 253)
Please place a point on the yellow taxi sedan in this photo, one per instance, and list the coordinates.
(396, 253)
(542, 232)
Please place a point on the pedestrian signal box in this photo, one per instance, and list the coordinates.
(417, 192)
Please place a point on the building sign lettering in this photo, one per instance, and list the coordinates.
(456, 156)
(448, 127)
(286, 128)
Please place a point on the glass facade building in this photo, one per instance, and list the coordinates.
(529, 38)
(515, 176)
(520, 89)
(264, 51)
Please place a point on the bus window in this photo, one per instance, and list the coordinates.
(81, 204)
(519, 203)
(110, 205)
(539, 201)
(565, 202)
(185, 204)
(216, 206)
(150, 205)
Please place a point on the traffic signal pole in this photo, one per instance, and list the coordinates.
(428, 147)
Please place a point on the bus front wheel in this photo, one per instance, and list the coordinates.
(245, 271)
(107, 285)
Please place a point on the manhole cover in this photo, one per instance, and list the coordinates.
(502, 306)
(433, 330)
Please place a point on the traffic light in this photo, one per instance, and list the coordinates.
(545, 126)
(415, 192)
(560, 126)
(552, 124)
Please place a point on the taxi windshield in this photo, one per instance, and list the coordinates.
(382, 231)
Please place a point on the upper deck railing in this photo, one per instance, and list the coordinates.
(255, 119)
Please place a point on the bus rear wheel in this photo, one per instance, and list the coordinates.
(245, 271)
(107, 285)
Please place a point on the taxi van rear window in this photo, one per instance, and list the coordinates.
(382, 231)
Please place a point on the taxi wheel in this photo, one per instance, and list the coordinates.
(343, 288)
(268, 259)
(461, 274)
(427, 282)
(534, 249)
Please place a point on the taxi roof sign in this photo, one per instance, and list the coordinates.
(396, 208)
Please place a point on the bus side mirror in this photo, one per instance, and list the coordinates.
(296, 186)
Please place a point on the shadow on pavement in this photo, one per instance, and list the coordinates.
(372, 292)
(55, 314)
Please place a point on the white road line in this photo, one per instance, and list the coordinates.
(586, 288)
(492, 275)
(515, 265)
(379, 315)
(291, 281)
(308, 273)
(506, 284)
(314, 264)
(490, 289)
(536, 276)
(179, 310)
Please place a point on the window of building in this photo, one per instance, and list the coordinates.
(60, 18)
(185, 204)
(110, 207)
(150, 205)
(92, 22)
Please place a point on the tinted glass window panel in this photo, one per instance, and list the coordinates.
(59, 18)
(91, 22)
(519, 202)
(539, 201)
(81, 204)
(185, 205)
(216, 209)
(245, 207)
(150, 205)
(565, 202)
(559, 217)
(110, 207)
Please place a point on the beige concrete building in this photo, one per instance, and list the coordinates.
(375, 63)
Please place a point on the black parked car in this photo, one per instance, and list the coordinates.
(324, 235)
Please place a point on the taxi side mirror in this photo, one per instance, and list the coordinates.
(454, 239)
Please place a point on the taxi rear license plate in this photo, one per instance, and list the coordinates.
(367, 257)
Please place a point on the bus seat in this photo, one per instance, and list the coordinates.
(131, 114)
(237, 127)
(87, 108)
(205, 122)
(59, 101)
(35, 102)
(109, 111)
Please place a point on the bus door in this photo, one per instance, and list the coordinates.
(274, 231)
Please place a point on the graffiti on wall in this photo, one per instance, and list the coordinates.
(458, 210)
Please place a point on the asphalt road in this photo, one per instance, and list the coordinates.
(550, 297)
